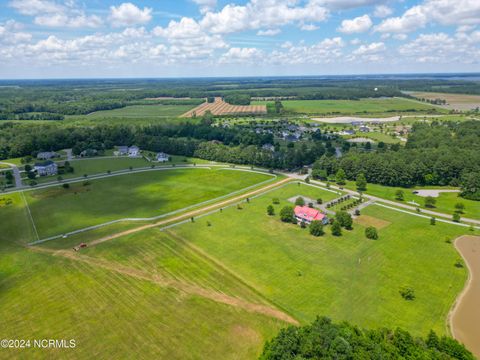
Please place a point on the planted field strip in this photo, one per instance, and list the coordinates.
(220, 107)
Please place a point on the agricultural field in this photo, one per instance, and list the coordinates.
(142, 112)
(220, 107)
(348, 277)
(56, 210)
(445, 202)
(363, 106)
(461, 102)
(101, 165)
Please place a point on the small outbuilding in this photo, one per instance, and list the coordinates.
(162, 157)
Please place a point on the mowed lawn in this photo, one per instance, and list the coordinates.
(445, 202)
(56, 210)
(346, 278)
(352, 106)
(143, 111)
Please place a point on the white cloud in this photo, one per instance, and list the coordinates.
(309, 27)
(128, 14)
(401, 37)
(241, 55)
(373, 48)
(444, 12)
(442, 48)
(324, 52)
(258, 14)
(269, 32)
(348, 4)
(382, 11)
(54, 14)
(205, 5)
(358, 25)
(11, 33)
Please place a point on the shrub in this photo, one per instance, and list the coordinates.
(66, 186)
(399, 195)
(336, 229)
(408, 293)
(456, 217)
(432, 221)
(371, 233)
(299, 201)
(357, 212)
(459, 207)
(344, 219)
(319, 201)
(316, 228)
(287, 214)
(270, 210)
(276, 200)
(430, 202)
(459, 264)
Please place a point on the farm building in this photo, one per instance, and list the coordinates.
(162, 157)
(47, 155)
(307, 215)
(46, 168)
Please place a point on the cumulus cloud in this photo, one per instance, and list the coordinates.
(128, 14)
(372, 48)
(53, 14)
(445, 12)
(323, 52)
(309, 27)
(258, 14)
(241, 55)
(348, 4)
(10, 32)
(269, 32)
(382, 11)
(358, 25)
(205, 5)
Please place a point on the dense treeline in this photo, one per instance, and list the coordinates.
(237, 99)
(326, 340)
(436, 154)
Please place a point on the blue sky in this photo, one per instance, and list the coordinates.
(165, 38)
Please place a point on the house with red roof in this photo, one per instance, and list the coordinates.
(307, 215)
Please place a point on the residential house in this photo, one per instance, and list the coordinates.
(307, 215)
(46, 168)
(133, 151)
(121, 150)
(88, 153)
(364, 129)
(162, 157)
(47, 155)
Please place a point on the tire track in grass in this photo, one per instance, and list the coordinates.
(169, 283)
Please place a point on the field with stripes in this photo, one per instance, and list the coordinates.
(220, 107)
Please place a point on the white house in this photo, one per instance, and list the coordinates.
(133, 151)
(121, 150)
(46, 155)
(162, 157)
(46, 168)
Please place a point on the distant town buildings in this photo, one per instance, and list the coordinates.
(46, 168)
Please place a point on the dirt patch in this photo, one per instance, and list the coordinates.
(60, 191)
(366, 220)
(454, 101)
(433, 192)
(464, 317)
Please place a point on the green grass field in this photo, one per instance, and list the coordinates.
(143, 111)
(56, 210)
(445, 201)
(348, 277)
(371, 106)
(100, 165)
(115, 315)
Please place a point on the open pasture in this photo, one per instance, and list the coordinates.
(56, 210)
(362, 106)
(348, 277)
(142, 112)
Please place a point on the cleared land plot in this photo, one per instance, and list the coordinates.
(142, 111)
(454, 101)
(445, 202)
(353, 106)
(56, 210)
(348, 277)
(220, 107)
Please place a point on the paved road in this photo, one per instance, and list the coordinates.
(16, 174)
(397, 204)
